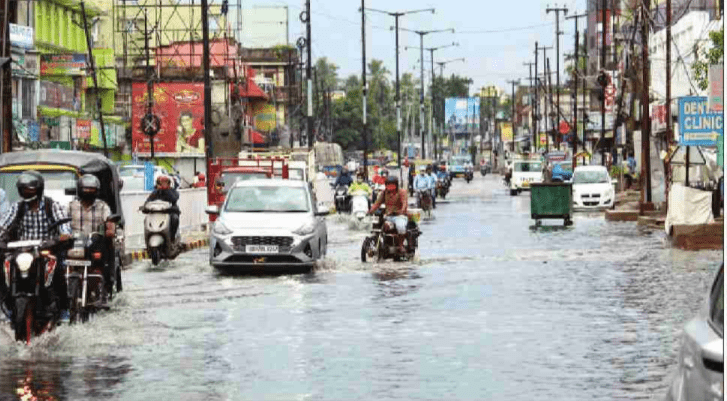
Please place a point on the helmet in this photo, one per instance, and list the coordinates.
(392, 179)
(88, 187)
(163, 177)
(30, 185)
(200, 176)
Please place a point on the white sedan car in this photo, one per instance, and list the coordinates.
(267, 225)
(592, 188)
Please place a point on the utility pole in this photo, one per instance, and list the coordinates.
(536, 104)
(530, 94)
(583, 94)
(441, 65)
(92, 64)
(576, 59)
(365, 89)
(421, 67)
(149, 87)
(669, 135)
(604, 20)
(396, 16)
(546, 87)
(645, 118)
(207, 90)
(9, 12)
(557, 61)
(308, 75)
(512, 100)
(550, 95)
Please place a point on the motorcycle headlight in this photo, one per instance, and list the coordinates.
(221, 229)
(24, 261)
(306, 228)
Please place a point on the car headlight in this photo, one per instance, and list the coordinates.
(306, 228)
(221, 229)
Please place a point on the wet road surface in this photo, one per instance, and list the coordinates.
(492, 308)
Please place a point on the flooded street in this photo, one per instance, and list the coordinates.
(492, 308)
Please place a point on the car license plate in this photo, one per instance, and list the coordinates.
(526, 183)
(261, 248)
(72, 262)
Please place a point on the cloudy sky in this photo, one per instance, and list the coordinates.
(495, 37)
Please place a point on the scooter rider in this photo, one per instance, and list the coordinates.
(88, 212)
(432, 185)
(30, 219)
(397, 203)
(164, 191)
(361, 185)
(344, 178)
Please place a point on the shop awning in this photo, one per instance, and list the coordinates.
(252, 91)
(256, 137)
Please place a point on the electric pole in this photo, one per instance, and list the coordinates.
(207, 86)
(576, 59)
(92, 64)
(530, 95)
(308, 74)
(557, 60)
(669, 135)
(645, 118)
(365, 89)
(513, 83)
(604, 21)
(441, 65)
(546, 88)
(536, 103)
(397, 101)
(421, 96)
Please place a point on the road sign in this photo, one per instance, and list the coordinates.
(697, 125)
(564, 127)
(148, 176)
(151, 124)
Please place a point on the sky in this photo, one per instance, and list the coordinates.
(495, 37)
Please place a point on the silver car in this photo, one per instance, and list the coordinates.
(267, 225)
(700, 375)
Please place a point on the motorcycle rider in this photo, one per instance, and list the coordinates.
(164, 191)
(412, 177)
(88, 212)
(421, 182)
(30, 219)
(361, 185)
(344, 178)
(432, 185)
(397, 203)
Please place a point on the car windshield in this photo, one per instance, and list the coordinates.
(267, 199)
(716, 309)
(54, 181)
(130, 171)
(295, 174)
(459, 160)
(528, 167)
(231, 178)
(590, 177)
(133, 183)
(567, 166)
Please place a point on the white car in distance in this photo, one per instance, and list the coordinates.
(592, 188)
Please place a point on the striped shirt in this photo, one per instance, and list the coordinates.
(88, 219)
(35, 223)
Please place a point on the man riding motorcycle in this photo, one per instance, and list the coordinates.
(164, 191)
(432, 185)
(344, 178)
(397, 203)
(88, 212)
(422, 181)
(30, 219)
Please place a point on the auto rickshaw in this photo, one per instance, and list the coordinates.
(60, 170)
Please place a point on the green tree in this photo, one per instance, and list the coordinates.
(713, 55)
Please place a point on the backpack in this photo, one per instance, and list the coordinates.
(13, 232)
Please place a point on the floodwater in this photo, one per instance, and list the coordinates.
(492, 308)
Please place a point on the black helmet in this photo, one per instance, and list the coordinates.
(30, 185)
(392, 179)
(88, 187)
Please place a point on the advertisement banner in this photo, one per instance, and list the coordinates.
(543, 139)
(83, 129)
(62, 64)
(716, 88)
(462, 114)
(58, 96)
(21, 36)
(180, 107)
(697, 125)
(265, 117)
(506, 132)
(97, 140)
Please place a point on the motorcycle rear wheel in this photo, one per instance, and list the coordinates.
(119, 285)
(155, 256)
(365, 248)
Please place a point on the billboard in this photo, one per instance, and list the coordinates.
(462, 114)
(63, 64)
(506, 132)
(698, 126)
(180, 107)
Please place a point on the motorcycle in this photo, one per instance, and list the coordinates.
(157, 234)
(442, 188)
(342, 199)
(468, 174)
(86, 261)
(28, 268)
(424, 201)
(382, 243)
(359, 204)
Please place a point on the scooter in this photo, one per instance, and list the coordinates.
(382, 243)
(341, 199)
(359, 204)
(468, 174)
(86, 261)
(157, 233)
(28, 269)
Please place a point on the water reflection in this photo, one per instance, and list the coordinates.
(396, 281)
(61, 378)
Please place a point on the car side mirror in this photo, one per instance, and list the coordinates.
(713, 353)
(212, 210)
(72, 191)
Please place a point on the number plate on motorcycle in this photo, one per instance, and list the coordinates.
(71, 262)
(261, 248)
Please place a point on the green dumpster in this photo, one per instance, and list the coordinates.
(552, 200)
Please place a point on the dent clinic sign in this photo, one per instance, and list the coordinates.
(697, 125)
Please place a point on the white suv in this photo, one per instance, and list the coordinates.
(524, 173)
(592, 188)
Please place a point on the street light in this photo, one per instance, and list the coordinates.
(396, 16)
(431, 51)
(441, 74)
(421, 58)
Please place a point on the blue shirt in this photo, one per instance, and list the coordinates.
(421, 182)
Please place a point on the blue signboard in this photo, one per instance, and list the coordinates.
(462, 114)
(148, 176)
(697, 125)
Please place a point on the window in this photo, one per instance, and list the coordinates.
(268, 199)
(591, 177)
(28, 99)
